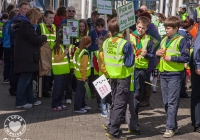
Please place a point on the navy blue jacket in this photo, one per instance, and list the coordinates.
(196, 55)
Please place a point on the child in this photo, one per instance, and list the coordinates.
(61, 70)
(49, 29)
(174, 53)
(82, 72)
(93, 49)
(144, 52)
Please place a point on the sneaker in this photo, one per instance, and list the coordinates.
(197, 129)
(162, 131)
(6, 81)
(68, 101)
(111, 137)
(135, 132)
(103, 115)
(168, 133)
(59, 108)
(64, 107)
(25, 106)
(87, 108)
(37, 103)
(80, 111)
(104, 126)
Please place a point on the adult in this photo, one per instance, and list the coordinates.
(91, 21)
(26, 56)
(71, 15)
(143, 7)
(196, 15)
(60, 15)
(182, 13)
(195, 81)
(23, 9)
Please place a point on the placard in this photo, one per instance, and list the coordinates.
(104, 7)
(102, 86)
(32, 4)
(74, 27)
(66, 35)
(126, 16)
(161, 29)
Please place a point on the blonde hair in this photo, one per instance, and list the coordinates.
(33, 14)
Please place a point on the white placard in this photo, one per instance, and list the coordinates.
(74, 27)
(126, 16)
(66, 35)
(104, 7)
(102, 86)
(32, 4)
(161, 29)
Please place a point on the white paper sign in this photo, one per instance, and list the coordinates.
(104, 7)
(161, 29)
(102, 86)
(126, 16)
(66, 35)
(74, 27)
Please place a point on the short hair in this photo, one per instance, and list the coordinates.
(33, 13)
(95, 13)
(113, 26)
(62, 11)
(187, 23)
(10, 7)
(173, 22)
(161, 16)
(113, 15)
(23, 3)
(100, 22)
(11, 14)
(146, 14)
(48, 12)
(145, 21)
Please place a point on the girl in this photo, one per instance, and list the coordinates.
(61, 70)
(82, 70)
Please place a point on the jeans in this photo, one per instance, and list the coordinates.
(68, 87)
(171, 95)
(6, 72)
(24, 93)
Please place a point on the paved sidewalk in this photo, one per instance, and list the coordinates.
(44, 124)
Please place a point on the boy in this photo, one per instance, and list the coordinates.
(48, 29)
(93, 50)
(144, 52)
(174, 53)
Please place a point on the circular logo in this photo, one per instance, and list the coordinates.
(15, 126)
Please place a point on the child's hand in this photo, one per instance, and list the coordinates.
(144, 53)
(186, 65)
(66, 51)
(84, 79)
(160, 52)
(167, 58)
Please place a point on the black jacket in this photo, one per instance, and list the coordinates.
(27, 47)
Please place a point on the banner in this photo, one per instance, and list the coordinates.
(74, 27)
(104, 7)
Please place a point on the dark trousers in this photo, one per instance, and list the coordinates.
(140, 81)
(13, 76)
(92, 78)
(6, 72)
(171, 95)
(195, 97)
(24, 93)
(47, 83)
(120, 90)
(1, 51)
(146, 89)
(107, 99)
(183, 88)
(58, 90)
(68, 88)
(79, 101)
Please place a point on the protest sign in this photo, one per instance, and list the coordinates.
(161, 29)
(102, 86)
(126, 16)
(104, 7)
(66, 35)
(74, 27)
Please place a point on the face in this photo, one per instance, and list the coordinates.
(94, 18)
(141, 29)
(181, 10)
(99, 28)
(170, 31)
(24, 9)
(82, 27)
(49, 19)
(71, 12)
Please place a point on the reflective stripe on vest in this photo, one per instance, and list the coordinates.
(198, 13)
(71, 49)
(51, 37)
(114, 58)
(140, 61)
(172, 50)
(61, 67)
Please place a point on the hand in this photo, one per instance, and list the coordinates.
(144, 53)
(197, 71)
(160, 52)
(66, 51)
(186, 65)
(167, 58)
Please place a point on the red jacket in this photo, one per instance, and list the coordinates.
(57, 20)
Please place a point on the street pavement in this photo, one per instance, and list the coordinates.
(44, 124)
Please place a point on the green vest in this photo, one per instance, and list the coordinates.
(1, 28)
(172, 50)
(71, 48)
(77, 59)
(140, 61)
(51, 37)
(61, 67)
(198, 13)
(183, 17)
(114, 59)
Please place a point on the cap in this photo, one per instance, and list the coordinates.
(182, 6)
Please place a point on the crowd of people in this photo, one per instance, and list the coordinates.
(159, 48)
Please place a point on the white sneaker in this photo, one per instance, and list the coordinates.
(80, 111)
(25, 106)
(104, 115)
(37, 103)
(168, 133)
(68, 101)
(86, 108)
(162, 131)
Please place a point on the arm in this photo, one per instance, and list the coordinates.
(10, 30)
(57, 21)
(150, 50)
(196, 55)
(101, 63)
(59, 57)
(128, 55)
(185, 53)
(195, 15)
(38, 30)
(83, 65)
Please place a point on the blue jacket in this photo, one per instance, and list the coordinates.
(94, 37)
(6, 36)
(196, 55)
(195, 15)
(186, 35)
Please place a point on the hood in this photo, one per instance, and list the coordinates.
(20, 20)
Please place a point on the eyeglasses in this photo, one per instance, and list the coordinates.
(72, 11)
